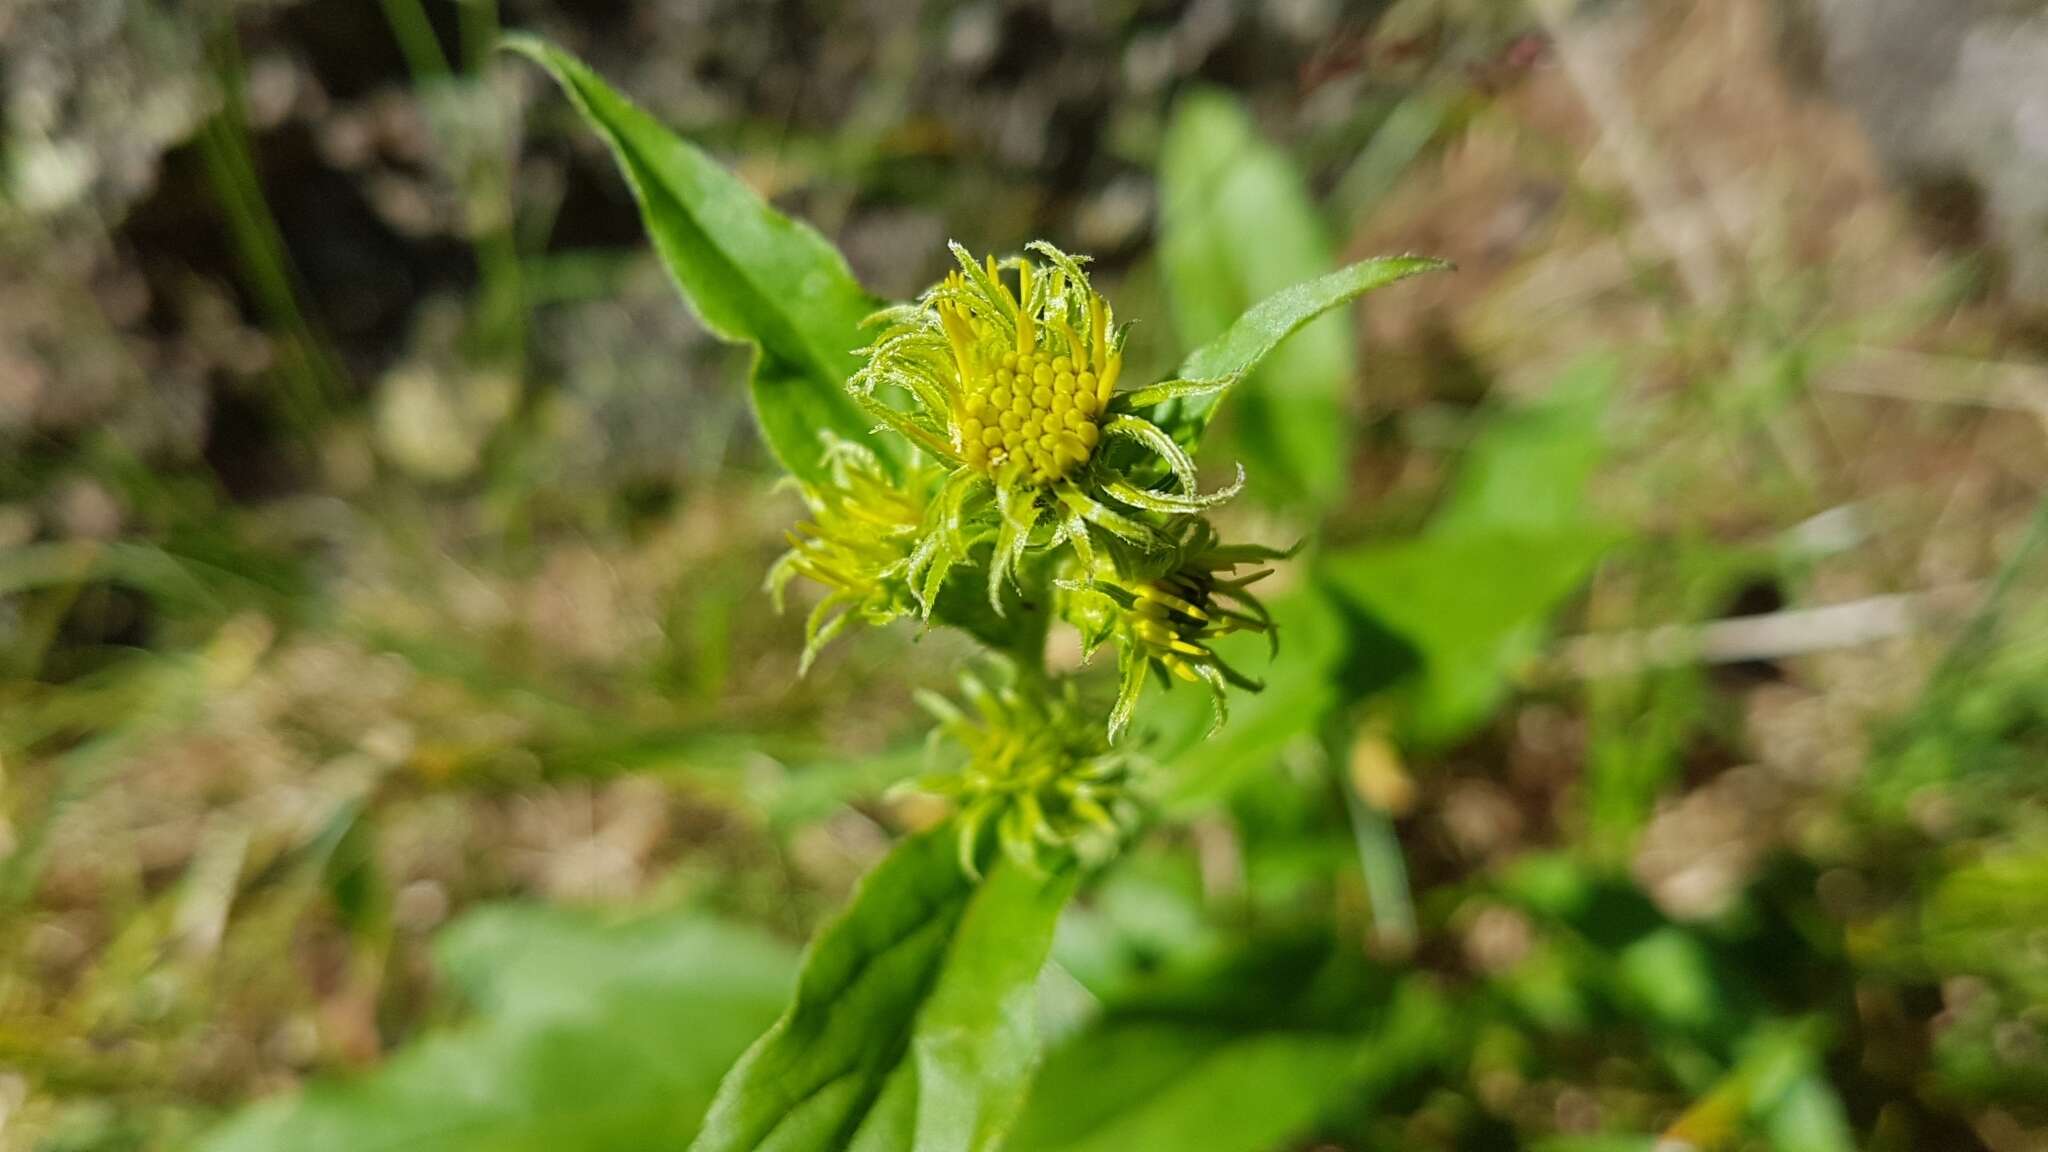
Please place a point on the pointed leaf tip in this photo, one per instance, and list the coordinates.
(751, 274)
(1263, 326)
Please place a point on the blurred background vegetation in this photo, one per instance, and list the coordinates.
(388, 703)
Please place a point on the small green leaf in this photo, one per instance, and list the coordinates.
(1261, 329)
(1473, 605)
(1471, 597)
(1809, 1117)
(1668, 976)
(753, 275)
(1775, 1088)
(913, 1025)
(589, 1037)
(1237, 223)
(1299, 689)
(1528, 467)
(1141, 1083)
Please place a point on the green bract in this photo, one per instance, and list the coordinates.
(1038, 770)
(1162, 609)
(860, 542)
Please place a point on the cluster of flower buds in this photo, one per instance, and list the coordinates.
(1030, 473)
(1038, 772)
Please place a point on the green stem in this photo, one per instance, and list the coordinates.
(479, 32)
(309, 374)
(415, 36)
(1977, 633)
(1378, 848)
(1033, 622)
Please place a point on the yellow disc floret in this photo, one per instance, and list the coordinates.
(1005, 373)
(1032, 389)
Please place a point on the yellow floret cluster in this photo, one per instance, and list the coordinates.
(1030, 399)
(1036, 409)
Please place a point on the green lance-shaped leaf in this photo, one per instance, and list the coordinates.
(1474, 606)
(589, 1035)
(1171, 1074)
(1261, 328)
(753, 275)
(913, 1023)
(1473, 595)
(1528, 467)
(1183, 1087)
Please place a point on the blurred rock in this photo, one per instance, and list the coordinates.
(94, 92)
(973, 35)
(1954, 96)
(1480, 818)
(433, 424)
(85, 510)
(17, 525)
(21, 386)
(435, 411)
(1701, 849)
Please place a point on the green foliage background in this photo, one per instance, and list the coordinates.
(1417, 894)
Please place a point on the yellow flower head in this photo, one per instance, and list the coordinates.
(1004, 379)
(1032, 385)
(1007, 372)
(859, 543)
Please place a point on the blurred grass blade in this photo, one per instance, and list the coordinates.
(161, 695)
(913, 1025)
(1256, 333)
(309, 373)
(414, 31)
(1380, 861)
(753, 275)
(140, 566)
(1237, 223)
(1413, 125)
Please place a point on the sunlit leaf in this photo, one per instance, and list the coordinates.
(1528, 467)
(588, 1038)
(1153, 1081)
(913, 1025)
(1470, 599)
(1256, 333)
(1474, 606)
(1169, 1088)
